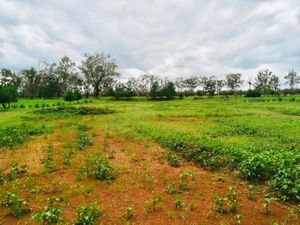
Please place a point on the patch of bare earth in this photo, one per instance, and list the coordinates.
(143, 173)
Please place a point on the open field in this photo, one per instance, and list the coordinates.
(191, 161)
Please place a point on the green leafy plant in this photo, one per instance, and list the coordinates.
(267, 200)
(98, 168)
(219, 203)
(15, 171)
(51, 214)
(87, 215)
(153, 204)
(48, 159)
(173, 160)
(16, 206)
(178, 203)
(83, 140)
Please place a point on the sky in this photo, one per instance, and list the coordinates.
(164, 37)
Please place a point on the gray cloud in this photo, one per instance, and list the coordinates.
(171, 37)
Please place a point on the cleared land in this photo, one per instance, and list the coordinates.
(157, 162)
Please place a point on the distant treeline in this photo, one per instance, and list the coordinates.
(97, 75)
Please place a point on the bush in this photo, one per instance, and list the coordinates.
(72, 96)
(252, 93)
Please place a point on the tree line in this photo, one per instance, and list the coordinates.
(97, 75)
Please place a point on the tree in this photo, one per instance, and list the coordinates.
(209, 85)
(98, 69)
(262, 78)
(292, 79)
(191, 83)
(10, 77)
(219, 85)
(154, 91)
(50, 84)
(169, 90)
(67, 74)
(123, 91)
(31, 82)
(8, 94)
(234, 81)
(274, 83)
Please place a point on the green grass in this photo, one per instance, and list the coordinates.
(258, 137)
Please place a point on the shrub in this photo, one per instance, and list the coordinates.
(253, 93)
(72, 96)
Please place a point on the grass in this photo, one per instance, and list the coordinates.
(257, 138)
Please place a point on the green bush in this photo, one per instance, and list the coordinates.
(83, 140)
(8, 94)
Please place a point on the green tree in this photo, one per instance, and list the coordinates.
(234, 81)
(209, 85)
(8, 94)
(31, 82)
(169, 90)
(292, 79)
(98, 69)
(154, 91)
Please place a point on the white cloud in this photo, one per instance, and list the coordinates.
(169, 38)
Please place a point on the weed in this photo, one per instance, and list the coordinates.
(219, 203)
(238, 218)
(250, 192)
(170, 189)
(128, 214)
(15, 171)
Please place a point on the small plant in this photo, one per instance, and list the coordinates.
(2, 177)
(15, 171)
(128, 213)
(178, 203)
(83, 140)
(105, 144)
(267, 200)
(170, 189)
(17, 206)
(98, 168)
(87, 215)
(183, 185)
(173, 160)
(219, 203)
(250, 192)
(51, 214)
(48, 159)
(153, 204)
(67, 157)
(238, 218)
(233, 206)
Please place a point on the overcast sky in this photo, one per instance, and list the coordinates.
(166, 37)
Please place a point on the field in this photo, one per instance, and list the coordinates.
(185, 161)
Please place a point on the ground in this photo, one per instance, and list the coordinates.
(127, 138)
